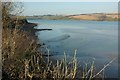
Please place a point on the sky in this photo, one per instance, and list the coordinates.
(62, 0)
(68, 8)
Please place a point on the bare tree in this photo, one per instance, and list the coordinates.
(10, 9)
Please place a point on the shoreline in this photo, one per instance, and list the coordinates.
(29, 28)
(77, 19)
(88, 17)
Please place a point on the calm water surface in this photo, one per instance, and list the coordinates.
(92, 39)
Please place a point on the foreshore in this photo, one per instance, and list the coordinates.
(29, 28)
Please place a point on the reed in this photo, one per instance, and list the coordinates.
(62, 69)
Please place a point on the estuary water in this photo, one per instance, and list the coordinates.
(94, 41)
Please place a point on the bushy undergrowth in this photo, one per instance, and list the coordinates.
(16, 46)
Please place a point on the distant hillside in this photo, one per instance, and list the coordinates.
(96, 16)
(93, 16)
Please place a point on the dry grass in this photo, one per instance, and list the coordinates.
(60, 70)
